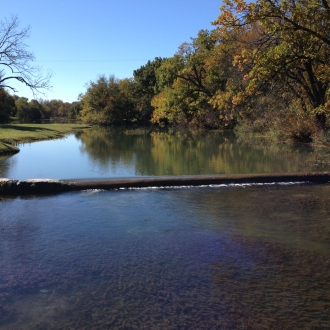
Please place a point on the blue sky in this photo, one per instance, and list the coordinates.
(79, 40)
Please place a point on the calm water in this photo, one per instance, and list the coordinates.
(104, 153)
(235, 257)
(195, 258)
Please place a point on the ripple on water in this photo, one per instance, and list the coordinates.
(190, 258)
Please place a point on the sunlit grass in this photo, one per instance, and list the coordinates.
(12, 134)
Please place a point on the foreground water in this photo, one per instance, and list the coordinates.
(106, 153)
(235, 257)
(253, 257)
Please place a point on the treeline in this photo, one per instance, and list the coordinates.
(25, 110)
(265, 67)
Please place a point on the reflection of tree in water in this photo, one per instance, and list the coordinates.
(189, 153)
(108, 146)
(6, 163)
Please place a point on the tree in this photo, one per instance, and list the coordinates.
(75, 109)
(292, 51)
(187, 82)
(16, 62)
(145, 76)
(145, 82)
(108, 101)
(7, 105)
(30, 111)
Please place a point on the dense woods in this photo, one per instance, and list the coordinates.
(264, 68)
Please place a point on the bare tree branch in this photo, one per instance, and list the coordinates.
(16, 62)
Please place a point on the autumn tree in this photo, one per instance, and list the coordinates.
(188, 82)
(291, 52)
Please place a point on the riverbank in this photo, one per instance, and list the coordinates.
(13, 134)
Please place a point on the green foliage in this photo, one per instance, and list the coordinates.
(108, 101)
(145, 76)
(58, 108)
(262, 60)
(168, 72)
(185, 85)
(28, 111)
(74, 110)
(265, 65)
(7, 106)
(144, 89)
(289, 54)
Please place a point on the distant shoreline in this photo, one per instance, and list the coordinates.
(13, 134)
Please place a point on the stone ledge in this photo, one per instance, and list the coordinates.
(50, 186)
(33, 186)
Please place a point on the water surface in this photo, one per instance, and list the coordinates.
(106, 153)
(253, 257)
(230, 257)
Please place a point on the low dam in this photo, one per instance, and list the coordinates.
(49, 186)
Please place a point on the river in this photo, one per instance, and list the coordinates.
(223, 257)
(108, 153)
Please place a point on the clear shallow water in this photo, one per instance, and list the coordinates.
(106, 153)
(197, 258)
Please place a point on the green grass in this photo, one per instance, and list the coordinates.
(12, 134)
(7, 149)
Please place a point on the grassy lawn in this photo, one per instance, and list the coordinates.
(12, 134)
